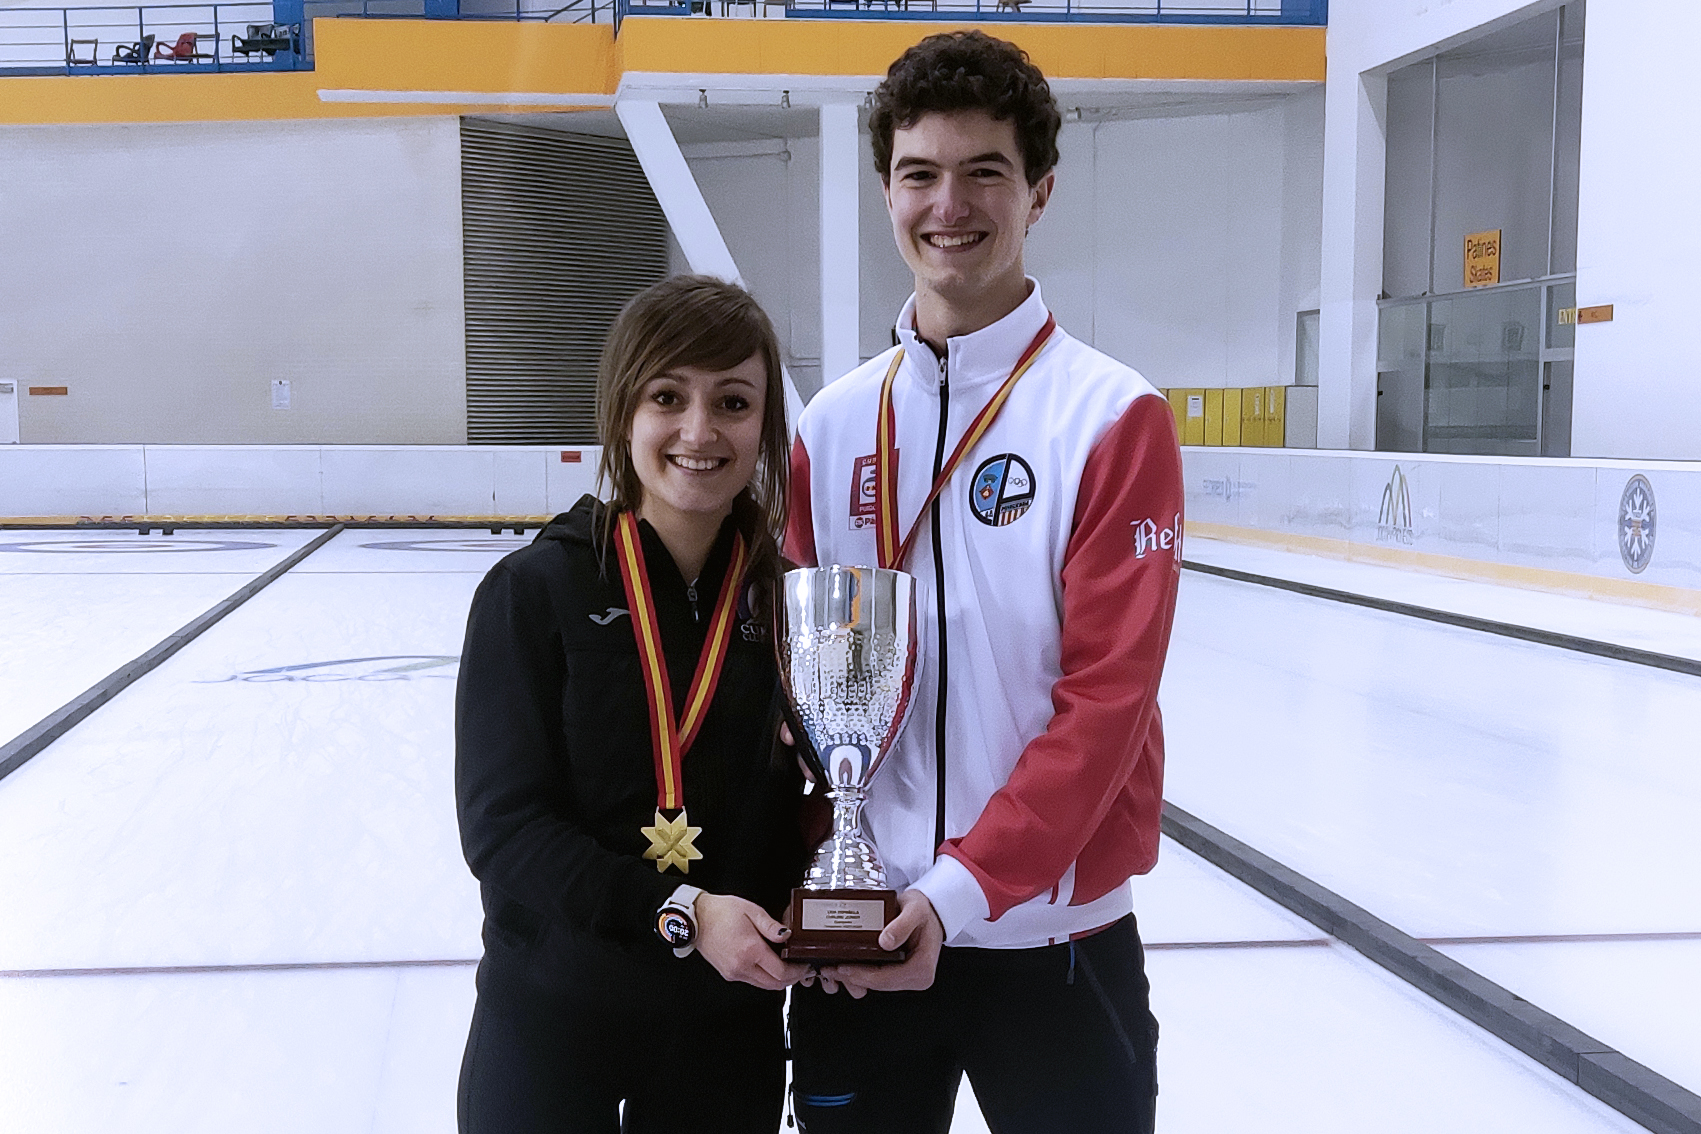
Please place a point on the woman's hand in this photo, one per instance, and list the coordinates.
(734, 936)
(787, 740)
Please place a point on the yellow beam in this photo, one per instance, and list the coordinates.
(401, 56)
(423, 63)
(1062, 51)
(465, 55)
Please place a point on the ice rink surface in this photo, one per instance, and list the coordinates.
(250, 858)
(111, 595)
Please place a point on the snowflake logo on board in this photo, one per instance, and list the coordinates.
(1636, 524)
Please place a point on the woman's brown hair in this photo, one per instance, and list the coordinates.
(708, 323)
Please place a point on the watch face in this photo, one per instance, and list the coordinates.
(675, 928)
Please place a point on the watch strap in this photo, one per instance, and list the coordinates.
(683, 900)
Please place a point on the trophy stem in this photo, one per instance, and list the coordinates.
(847, 860)
(847, 813)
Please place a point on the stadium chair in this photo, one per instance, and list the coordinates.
(134, 52)
(269, 39)
(183, 51)
(76, 58)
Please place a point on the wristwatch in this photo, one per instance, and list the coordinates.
(676, 920)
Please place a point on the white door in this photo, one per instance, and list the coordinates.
(8, 413)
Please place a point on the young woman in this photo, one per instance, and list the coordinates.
(619, 798)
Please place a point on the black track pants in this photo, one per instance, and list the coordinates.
(1056, 1039)
(562, 1060)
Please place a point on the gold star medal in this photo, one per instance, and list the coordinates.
(671, 840)
(670, 843)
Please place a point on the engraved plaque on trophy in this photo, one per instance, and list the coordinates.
(848, 661)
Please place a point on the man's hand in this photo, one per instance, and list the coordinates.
(734, 935)
(917, 926)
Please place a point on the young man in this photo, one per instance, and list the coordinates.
(1026, 789)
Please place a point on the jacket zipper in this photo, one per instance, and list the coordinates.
(691, 593)
(939, 597)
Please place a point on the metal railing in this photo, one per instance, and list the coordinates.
(523, 11)
(244, 37)
(539, 11)
(134, 39)
(1243, 12)
(147, 38)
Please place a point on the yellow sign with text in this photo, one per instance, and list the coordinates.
(1482, 258)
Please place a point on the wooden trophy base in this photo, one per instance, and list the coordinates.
(830, 926)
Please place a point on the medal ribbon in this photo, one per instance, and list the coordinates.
(890, 552)
(671, 738)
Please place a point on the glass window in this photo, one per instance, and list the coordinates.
(1305, 349)
(1399, 377)
(1556, 409)
(1483, 389)
(1494, 150)
(1561, 297)
(1568, 138)
(1406, 196)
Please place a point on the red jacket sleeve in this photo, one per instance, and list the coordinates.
(800, 517)
(1093, 781)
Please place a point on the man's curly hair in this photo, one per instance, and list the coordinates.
(968, 70)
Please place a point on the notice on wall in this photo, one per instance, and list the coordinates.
(1195, 405)
(1482, 258)
(1573, 315)
(280, 393)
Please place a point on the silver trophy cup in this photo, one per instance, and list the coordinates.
(848, 661)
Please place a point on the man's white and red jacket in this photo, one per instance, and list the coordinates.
(1026, 788)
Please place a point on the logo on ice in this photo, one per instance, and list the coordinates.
(1149, 537)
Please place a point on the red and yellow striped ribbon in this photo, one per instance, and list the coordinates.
(671, 738)
(890, 552)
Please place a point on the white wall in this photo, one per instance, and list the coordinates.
(1639, 232)
(886, 279)
(115, 481)
(1183, 245)
(764, 205)
(767, 206)
(167, 274)
(1366, 40)
(1553, 515)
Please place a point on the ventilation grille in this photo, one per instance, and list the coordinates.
(560, 230)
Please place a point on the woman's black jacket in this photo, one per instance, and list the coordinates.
(554, 774)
